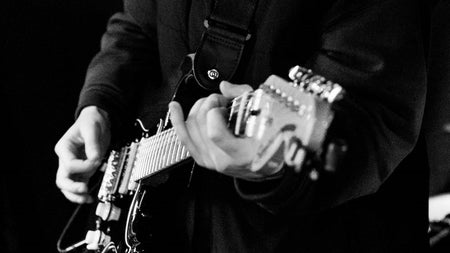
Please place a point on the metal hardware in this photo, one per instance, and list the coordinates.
(213, 74)
(248, 36)
(96, 239)
(316, 84)
(107, 211)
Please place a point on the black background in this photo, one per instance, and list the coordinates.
(45, 47)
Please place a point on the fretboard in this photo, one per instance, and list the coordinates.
(157, 153)
(164, 150)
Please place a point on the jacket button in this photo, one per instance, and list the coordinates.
(213, 74)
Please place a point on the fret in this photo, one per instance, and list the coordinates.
(147, 150)
(248, 117)
(183, 150)
(177, 150)
(180, 153)
(167, 152)
(140, 161)
(172, 147)
(163, 150)
(152, 153)
(169, 148)
(158, 152)
(149, 144)
(155, 155)
(144, 161)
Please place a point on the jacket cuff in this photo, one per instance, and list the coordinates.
(274, 194)
(102, 97)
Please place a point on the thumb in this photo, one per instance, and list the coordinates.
(91, 136)
(230, 90)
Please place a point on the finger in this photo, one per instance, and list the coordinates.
(197, 127)
(78, 166)
(193, 124)
(66, 181)
(194, 110)
(215, 100)
(218, 131)
(177, 119)
(67, 147)
(211, 102)
(78, 198)
(230, 90)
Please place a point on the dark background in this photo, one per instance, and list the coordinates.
(45, 47)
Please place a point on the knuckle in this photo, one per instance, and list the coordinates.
(214, 134)
(214, 98)
(196, 106)
(57, 148)
(199, 117)
(58, 183)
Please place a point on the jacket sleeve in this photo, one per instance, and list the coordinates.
(127, 60)
(376, 53)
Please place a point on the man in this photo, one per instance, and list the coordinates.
(376, 201)
(437, 128)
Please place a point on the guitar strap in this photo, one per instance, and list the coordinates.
(227, 30)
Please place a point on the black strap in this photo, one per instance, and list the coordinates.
(223, 42)
(236, 14)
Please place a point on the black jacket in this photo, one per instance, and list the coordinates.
(374, 48)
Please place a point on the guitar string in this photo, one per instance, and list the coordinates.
(172, 147)
(152, 153)
(163, 151)
(155, 151)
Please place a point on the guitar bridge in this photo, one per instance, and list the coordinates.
(116, 180)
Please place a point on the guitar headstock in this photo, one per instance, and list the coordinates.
(287, 119)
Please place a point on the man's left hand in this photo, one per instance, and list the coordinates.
(206, 135)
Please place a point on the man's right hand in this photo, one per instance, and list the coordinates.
(80, 151)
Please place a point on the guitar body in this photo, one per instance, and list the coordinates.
(147, 221)
(145, 181)
(143, 219)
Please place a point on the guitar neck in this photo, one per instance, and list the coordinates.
(296, 114)
(157, 153)
(163, 150)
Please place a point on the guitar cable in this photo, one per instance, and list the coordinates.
(63, 234)
(69, 223)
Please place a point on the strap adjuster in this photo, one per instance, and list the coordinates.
(227, 29)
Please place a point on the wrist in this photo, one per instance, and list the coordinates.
(96, 112)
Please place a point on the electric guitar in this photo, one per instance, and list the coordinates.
(287, 120)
